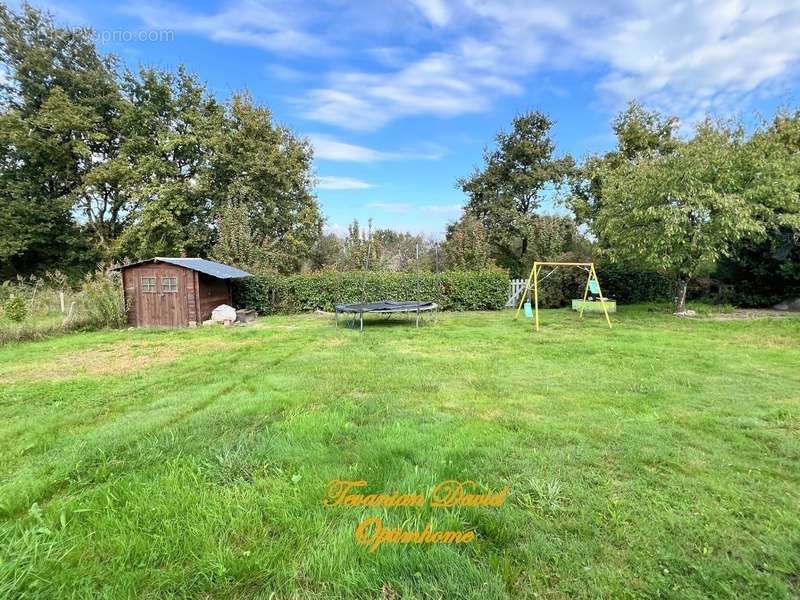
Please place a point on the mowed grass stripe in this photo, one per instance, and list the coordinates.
(659, 458)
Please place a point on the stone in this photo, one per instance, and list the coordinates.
(209, 322)
(223, 313)
(686, 313)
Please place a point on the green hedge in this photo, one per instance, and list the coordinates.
(451, 290)
(624, 284)
(631, 286)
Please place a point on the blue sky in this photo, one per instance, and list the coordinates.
(399, 97)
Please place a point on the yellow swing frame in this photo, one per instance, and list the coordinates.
(534, 277)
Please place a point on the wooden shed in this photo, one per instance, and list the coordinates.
(176, 292)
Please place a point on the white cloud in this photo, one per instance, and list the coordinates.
(691, 59)
(456, 57)
(440, 84)
(392, 207)
(443, 209)
(436, 11)
(341, 183)
(329, 148)
(247, 22)
(688, 58)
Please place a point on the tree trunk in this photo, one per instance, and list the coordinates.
(680, 294)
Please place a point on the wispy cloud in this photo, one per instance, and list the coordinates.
(457, 57)
(441, 84)
(689, 58)
(436, 11)
(443, 209)
(391, 207)
(330, 148)
(270, 27)
(332, 182)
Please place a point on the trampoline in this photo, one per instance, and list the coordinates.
(387, 308)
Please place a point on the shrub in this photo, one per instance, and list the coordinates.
(624, 283)
(15, 308)
(629, 285)
(103, 300)
(451, 290)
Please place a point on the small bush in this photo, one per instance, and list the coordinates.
(15, 308)
(630, 285)
(451, 290)
(103, 300)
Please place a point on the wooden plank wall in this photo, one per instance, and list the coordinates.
(171, 309)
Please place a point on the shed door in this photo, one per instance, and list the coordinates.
(161, 297)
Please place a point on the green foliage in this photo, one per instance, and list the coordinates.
(507, 192)
(53, 307)
(466, 246)
(103, 300)
(170, 121)
(265, 169)
(762, 274)
(677, 212)
(451, 290)
(96, 166)
(624, 283)
(643, 133)
(389, 250)
(631, 285)
(59, 100)
(397, 251)
(16, 309)
(681, 206)
(327, 251)
(236, 245)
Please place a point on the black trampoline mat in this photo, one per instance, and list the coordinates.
(386, 306)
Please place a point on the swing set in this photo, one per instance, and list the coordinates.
(592, 284)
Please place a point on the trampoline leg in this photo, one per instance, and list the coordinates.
(362, 322)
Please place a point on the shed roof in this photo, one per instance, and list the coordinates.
(209, 267)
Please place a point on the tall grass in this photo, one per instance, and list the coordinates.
(102, 299)
(53, 306)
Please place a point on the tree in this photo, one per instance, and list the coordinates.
(266, 170)
(397, 251)
(58, 110)
(168, 138)
(508, 191)
(641, 134)
(236, 245)
(466, 245)
(327, 252)
(96, 166)
(765, 269)
(681, 210)
(360, 250)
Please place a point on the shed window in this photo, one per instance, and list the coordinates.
(149, 285)
(169, 284)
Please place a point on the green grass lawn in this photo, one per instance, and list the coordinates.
(660, 459)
